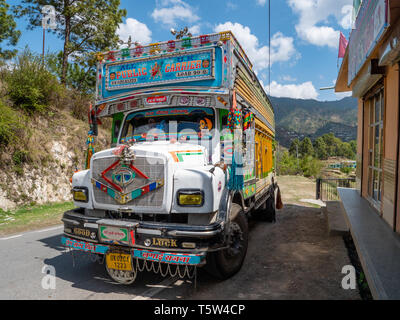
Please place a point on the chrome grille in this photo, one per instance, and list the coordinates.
(151, 167)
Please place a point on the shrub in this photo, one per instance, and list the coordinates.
(346, 170)
(31, 86)
(288, 165)
(311, 166)
(19, 157)
(10, 126)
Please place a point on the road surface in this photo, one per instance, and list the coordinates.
(25, 257)
(293, 258)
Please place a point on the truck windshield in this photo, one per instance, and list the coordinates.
(180, 123)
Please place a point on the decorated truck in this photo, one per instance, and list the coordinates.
(191, 160)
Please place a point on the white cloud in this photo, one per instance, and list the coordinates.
(347, 20)
(314, 16)
(304, 90)
(169, 12)
(195, 30)
(341, 95)
(136, 29)
(282, 48)
(261, 2)
(232, 6)
(288, 78)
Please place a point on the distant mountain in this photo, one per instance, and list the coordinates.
(311, 118)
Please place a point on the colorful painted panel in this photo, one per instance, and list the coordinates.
(173, 68)
(84, 246)
(103, 94)
(174, 258)
(249, 191)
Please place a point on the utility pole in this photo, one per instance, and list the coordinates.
(44, 35)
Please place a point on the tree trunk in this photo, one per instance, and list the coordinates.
(66, 43)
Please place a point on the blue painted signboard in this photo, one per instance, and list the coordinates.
(162, 70)
(196, 68)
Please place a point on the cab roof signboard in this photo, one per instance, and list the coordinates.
(173, 68)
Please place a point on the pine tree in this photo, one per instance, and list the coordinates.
(320, 149)
(294, 147)
(85, 26)
(8, 31)
(306, 148)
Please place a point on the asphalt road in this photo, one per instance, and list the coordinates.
(26, 258)
(293, 258)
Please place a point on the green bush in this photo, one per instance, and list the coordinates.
(20, 156)
(10, 125)
(311, 166)
(30, 86)
(307, 166)
(288, 164)
(346, 170)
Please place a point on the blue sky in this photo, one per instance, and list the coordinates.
(304, 46)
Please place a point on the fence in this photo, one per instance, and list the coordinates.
(326, 189)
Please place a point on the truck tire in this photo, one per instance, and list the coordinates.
(267, 211)
(225, 263)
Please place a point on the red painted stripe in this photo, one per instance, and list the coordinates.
(138, 172)
(108, 180)
(132, 237)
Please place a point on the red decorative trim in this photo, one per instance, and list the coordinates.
(103, 175)
(138, 172)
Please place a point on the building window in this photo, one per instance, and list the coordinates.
(376, 116)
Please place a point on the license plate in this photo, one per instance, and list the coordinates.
(119, 261)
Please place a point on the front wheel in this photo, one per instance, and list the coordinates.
(225, 263)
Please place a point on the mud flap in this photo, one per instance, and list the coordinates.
(279, 204)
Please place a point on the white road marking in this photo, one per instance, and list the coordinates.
(146, 295)
(35, 231)
(48, 229)
(12, 237)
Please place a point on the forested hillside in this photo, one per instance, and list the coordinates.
(297, 118)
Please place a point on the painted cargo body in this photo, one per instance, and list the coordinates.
(192, 158)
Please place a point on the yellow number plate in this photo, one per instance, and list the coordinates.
(119, 261)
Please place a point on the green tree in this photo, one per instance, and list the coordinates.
(85, 26)
(8, 31)
(320, 149)
(332, 144)
(353, 145)
(294, 147)
(346, 151)
(306, 148)
(78, 77)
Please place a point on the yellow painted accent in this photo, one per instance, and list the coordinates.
(155, 47)
(225, 36)
(261, 126)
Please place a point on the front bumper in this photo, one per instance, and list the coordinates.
(149, 240)
(149, 255)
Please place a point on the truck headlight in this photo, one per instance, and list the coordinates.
(80, 194)
(193, 198)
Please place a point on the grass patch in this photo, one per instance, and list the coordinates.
(32, 217)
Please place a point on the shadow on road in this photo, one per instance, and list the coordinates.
(293, 258)
(79, 269)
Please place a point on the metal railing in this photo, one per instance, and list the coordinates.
(326, 189)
